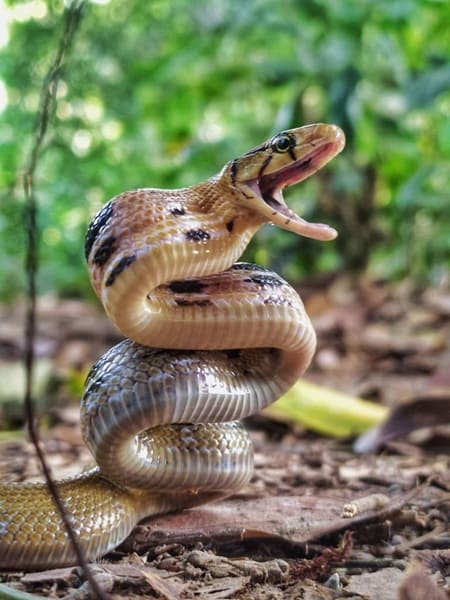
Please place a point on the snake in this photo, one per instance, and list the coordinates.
(207, 342)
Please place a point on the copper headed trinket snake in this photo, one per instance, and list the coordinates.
(210, 341)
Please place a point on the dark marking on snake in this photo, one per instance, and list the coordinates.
(184, 302)
(95, 379)
(123, 264)
(230, 225)
(105, 251)
(94, 383)
(264, 166)
(259, 148)
(266, 280)
(99, 221)
(233, 170)
(277, 301)
(197, 235)
(186, 286)
(233, 353)
(243, 266)
(177, 212)
(292, 154)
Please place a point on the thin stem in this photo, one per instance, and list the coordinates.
(72, 16)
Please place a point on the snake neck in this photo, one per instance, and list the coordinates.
(220, 199)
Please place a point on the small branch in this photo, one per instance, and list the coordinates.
(49, 89)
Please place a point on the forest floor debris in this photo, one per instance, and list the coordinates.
(317, 520)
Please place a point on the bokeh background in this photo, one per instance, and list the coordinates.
(163, 93)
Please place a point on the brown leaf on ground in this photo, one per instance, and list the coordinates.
(293, 520)
(403, 419)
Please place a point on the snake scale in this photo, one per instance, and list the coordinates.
(209, 341)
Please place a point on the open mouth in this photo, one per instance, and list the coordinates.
(269, 187)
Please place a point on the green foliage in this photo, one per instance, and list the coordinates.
(163, 93)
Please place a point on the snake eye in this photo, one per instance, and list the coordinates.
(282, 142)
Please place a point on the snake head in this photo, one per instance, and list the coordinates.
(289, 157)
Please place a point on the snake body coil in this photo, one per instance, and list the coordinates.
(211, 342)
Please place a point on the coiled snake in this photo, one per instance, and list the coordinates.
(210, 342)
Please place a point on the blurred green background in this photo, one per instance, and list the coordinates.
(163, 93)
